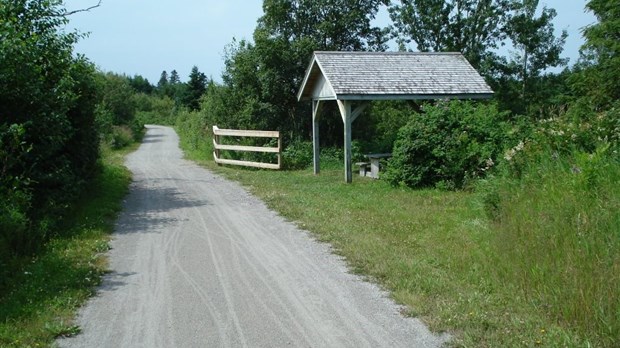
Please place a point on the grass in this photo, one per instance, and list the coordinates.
(46, 292)
(490, 283)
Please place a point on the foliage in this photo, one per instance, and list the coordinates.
(471, 27)
(478, 29)
(117, 96)
(39, 300)
(447, 145)
(141, 84)
(153, 109)
(598, 73)
(47, 129)
(196, 87)
(385, 118)
(196, 135)
(163, 80)
(536, 46)
(298, 155)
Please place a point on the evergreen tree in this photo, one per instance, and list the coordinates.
(163, 81)
(196, 87)
(174, 78)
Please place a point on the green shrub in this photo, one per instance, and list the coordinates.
(155, 110)
(447, 144)
(298, 155)
(195, 134)
(122, 136)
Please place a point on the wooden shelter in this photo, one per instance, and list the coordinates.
(354, 78)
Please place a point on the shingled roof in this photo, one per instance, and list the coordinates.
(391, 75)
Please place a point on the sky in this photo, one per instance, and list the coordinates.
(145, 37)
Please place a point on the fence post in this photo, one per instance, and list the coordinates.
(279, 151)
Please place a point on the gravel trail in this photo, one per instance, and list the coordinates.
(196, 261)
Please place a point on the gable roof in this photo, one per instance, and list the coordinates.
(391, 75)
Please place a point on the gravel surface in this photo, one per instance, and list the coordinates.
(197, 261)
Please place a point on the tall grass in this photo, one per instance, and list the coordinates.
(557, 240)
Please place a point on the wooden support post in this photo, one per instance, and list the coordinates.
(279, 152)
(316, 104)
(345, 111)
(216, 139)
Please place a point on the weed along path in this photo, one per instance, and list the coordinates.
(196, 261)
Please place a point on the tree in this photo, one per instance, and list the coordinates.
(174, 78)
(598, 72)
(261, 79)
(163, 81)
(330, 24)
(537, 47)
(117, 96)
(141, 84)
(196, 87)
(473, 28)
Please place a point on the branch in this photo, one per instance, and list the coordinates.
(69, 13)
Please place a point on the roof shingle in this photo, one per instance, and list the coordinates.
(399, 75)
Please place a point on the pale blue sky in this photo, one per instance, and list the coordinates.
(147, 36)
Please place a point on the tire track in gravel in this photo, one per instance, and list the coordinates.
(196, 261)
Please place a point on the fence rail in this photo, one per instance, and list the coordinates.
(218, 133)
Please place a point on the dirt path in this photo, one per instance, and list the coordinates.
(198, 262)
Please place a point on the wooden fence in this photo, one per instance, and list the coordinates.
(218, 146)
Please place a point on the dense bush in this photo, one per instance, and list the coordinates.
(118, 121)
(447, 144)
(153, 109)
(48, 138)
(194, 132)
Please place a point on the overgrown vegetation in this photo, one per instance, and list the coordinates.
(39, 302)
(49, 145)
(448, 145)
(57, 196)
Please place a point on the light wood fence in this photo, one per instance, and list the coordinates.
(218, 146)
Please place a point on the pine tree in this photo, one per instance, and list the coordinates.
(196, 87)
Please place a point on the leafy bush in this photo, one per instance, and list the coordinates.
(49, 142)
(298, 155)
(122, 136)
(447, 144)
(194, 133)
(155, 110)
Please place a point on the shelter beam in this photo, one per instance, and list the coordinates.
(316, 108)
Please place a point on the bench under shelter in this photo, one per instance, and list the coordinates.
(353, 79)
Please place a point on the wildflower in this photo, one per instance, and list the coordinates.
(520, 146)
